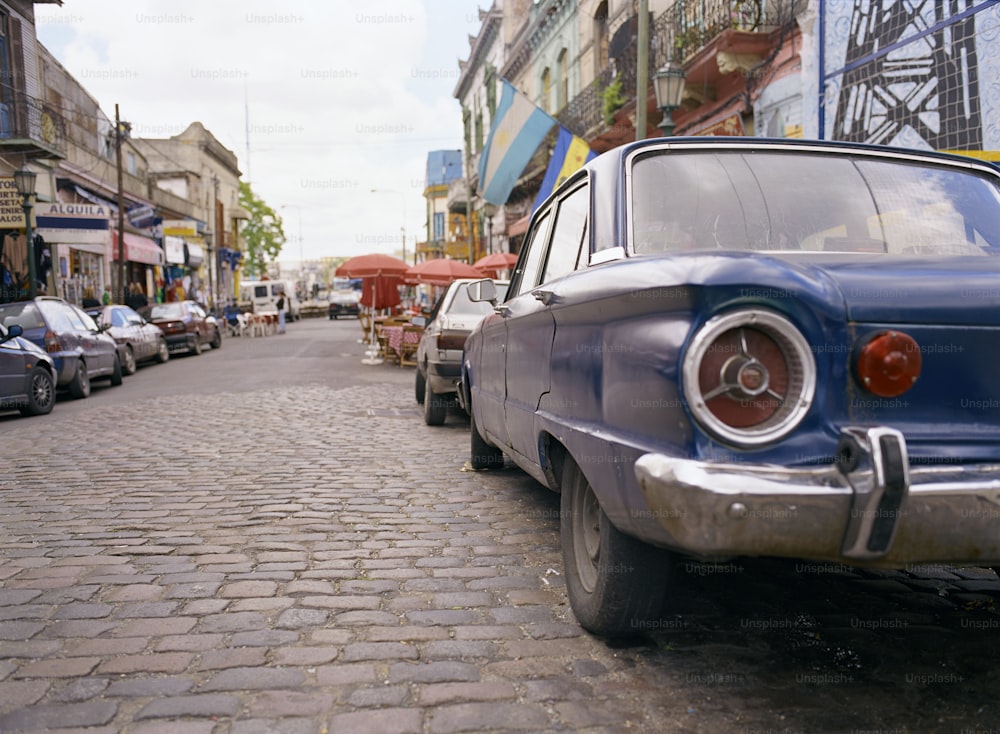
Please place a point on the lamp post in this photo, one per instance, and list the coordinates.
(402, 229)
(668, 83)
(24, 182)
(302, 261)
(489, 211)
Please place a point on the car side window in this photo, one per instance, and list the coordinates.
(118, 318)
(79, 317)
(568, 235)
(528, 275)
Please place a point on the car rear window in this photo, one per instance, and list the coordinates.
(25, 315)
(777, 201)
(166, 311)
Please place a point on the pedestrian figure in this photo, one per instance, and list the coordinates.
(281, 313)
(106, 297)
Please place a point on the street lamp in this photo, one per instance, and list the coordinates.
(302, 260)
(668, 83)
(402, 229)
(24, 182)
(489, 211)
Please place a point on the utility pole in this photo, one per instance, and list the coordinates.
(642, 70)
(119, 134)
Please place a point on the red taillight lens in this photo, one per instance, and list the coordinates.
(452, 340)
(749, 377)
(52, 342)
(889, 363)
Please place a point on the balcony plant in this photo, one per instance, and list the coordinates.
(614, 99)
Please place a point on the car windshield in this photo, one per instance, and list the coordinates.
(166, 311)
(775, 201)
(26, 315)
(461, 304)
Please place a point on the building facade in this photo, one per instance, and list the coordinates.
(912, 75)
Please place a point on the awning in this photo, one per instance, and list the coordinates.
(519, 227)
(138, 249)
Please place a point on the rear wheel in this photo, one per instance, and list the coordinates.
(162, 351)
(116, 373)
(435, 407)
(195, 346)
(79, 386)
(483, 455)
(128, 366)
(41, 392)
(616, 584)
(216, 339)
(419, 386)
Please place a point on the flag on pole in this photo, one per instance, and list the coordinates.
(517, 129)
(569, 155)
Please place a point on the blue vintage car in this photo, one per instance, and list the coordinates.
(723, 347)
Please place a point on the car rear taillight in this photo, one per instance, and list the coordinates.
(888, 364)
(52, 342)
(172, 327)
(749, 377)
(452, 339)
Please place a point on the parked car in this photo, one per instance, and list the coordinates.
(724, 347)
(185, 325)
(80, 350)
(138, 340)
(344, 303)
(27, 374)
(439, 354)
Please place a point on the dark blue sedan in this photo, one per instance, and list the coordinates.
(80, 350)
(723, 347)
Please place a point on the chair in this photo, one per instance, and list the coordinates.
(408, 347)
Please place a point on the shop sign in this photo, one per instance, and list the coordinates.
(11, 213)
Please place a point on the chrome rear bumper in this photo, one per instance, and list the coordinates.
(867, 508)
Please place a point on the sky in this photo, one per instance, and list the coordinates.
(322, 101)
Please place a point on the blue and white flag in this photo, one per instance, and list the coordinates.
(568, 157)
(517, 130)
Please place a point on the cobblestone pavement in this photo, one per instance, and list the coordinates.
(201, 574)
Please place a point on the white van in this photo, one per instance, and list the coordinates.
(263, 296)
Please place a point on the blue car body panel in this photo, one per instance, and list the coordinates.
(591, 363)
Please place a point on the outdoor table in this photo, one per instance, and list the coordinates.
(396, 336)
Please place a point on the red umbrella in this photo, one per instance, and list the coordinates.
(496, 262)
(441, 271)
(381, 276)
(372, 266)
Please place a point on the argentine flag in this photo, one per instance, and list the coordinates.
(517, 130)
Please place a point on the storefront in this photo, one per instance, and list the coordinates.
(188, 276)
(143, 261)
(77, 237)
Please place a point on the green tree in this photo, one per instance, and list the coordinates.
(262, 232)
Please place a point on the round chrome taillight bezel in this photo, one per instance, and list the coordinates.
(800, 376)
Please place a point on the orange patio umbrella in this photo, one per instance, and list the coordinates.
(495, 262)
(441, 271)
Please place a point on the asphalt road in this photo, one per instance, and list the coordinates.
(267, 538)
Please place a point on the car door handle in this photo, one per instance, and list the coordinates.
(543, 296)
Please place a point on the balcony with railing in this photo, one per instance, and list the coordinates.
(692, 33)
(29, 126)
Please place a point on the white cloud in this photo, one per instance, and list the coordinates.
(338, 97)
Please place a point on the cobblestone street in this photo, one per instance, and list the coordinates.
(313, 558)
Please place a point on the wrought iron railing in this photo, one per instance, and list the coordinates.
(675, 35)
(23, 117)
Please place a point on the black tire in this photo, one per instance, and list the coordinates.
(482, 455)
(616, 584)
(79, 386)
(129, 367)
(41, 392)
(162, 351)
(195, 347)
(419, 386)
(216, 339)
(435, 407)
(116, 372)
